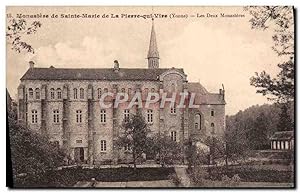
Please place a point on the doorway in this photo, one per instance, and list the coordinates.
(79, 154)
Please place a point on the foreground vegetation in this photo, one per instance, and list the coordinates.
(68, 177)
(235, 175)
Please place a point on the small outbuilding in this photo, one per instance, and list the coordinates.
(282, 140)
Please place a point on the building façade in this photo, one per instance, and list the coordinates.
(63, 104)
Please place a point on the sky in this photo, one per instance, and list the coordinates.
(212, 51)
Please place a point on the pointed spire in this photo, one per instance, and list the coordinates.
(153, 55)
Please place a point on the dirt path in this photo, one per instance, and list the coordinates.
(183, 176)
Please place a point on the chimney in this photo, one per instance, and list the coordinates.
(31, 64)
(222, 92)
(116, 66)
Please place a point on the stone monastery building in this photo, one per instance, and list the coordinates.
(63, 104)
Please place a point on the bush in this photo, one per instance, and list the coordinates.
(230, 182)
(32, 155)
(199, 175)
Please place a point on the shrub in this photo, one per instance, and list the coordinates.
(230, 182)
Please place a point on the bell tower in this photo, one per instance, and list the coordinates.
(153, 55)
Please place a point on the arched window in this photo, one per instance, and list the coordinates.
(99, 92)
(75, 93)
(59, 95)
(52, 93)
(212, 125)
(197, 122)
(30, 93)
(37, 93)
(81, 93)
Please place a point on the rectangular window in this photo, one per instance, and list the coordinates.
(34, 116)
(173, 135)
(127, 147)
(103, 116)
(56, 116)
(212, 113)
(126, 115)
(79, 141)
(103, 145)
(173, 110)
(150, 116)
(79, 116)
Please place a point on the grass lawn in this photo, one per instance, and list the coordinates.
(70, 176)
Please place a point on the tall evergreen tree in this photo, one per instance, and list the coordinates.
(285, 123)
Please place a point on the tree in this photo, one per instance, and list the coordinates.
(134, 133)
(32, 155)
(281, 88)
(258, 133)
(281, 19)
(169, 151)
(236, 144)
(16, 29)
(285, 123)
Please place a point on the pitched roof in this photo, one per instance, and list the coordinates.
(94, 73)
(203, 96)
(283, 135)
(196, 87)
